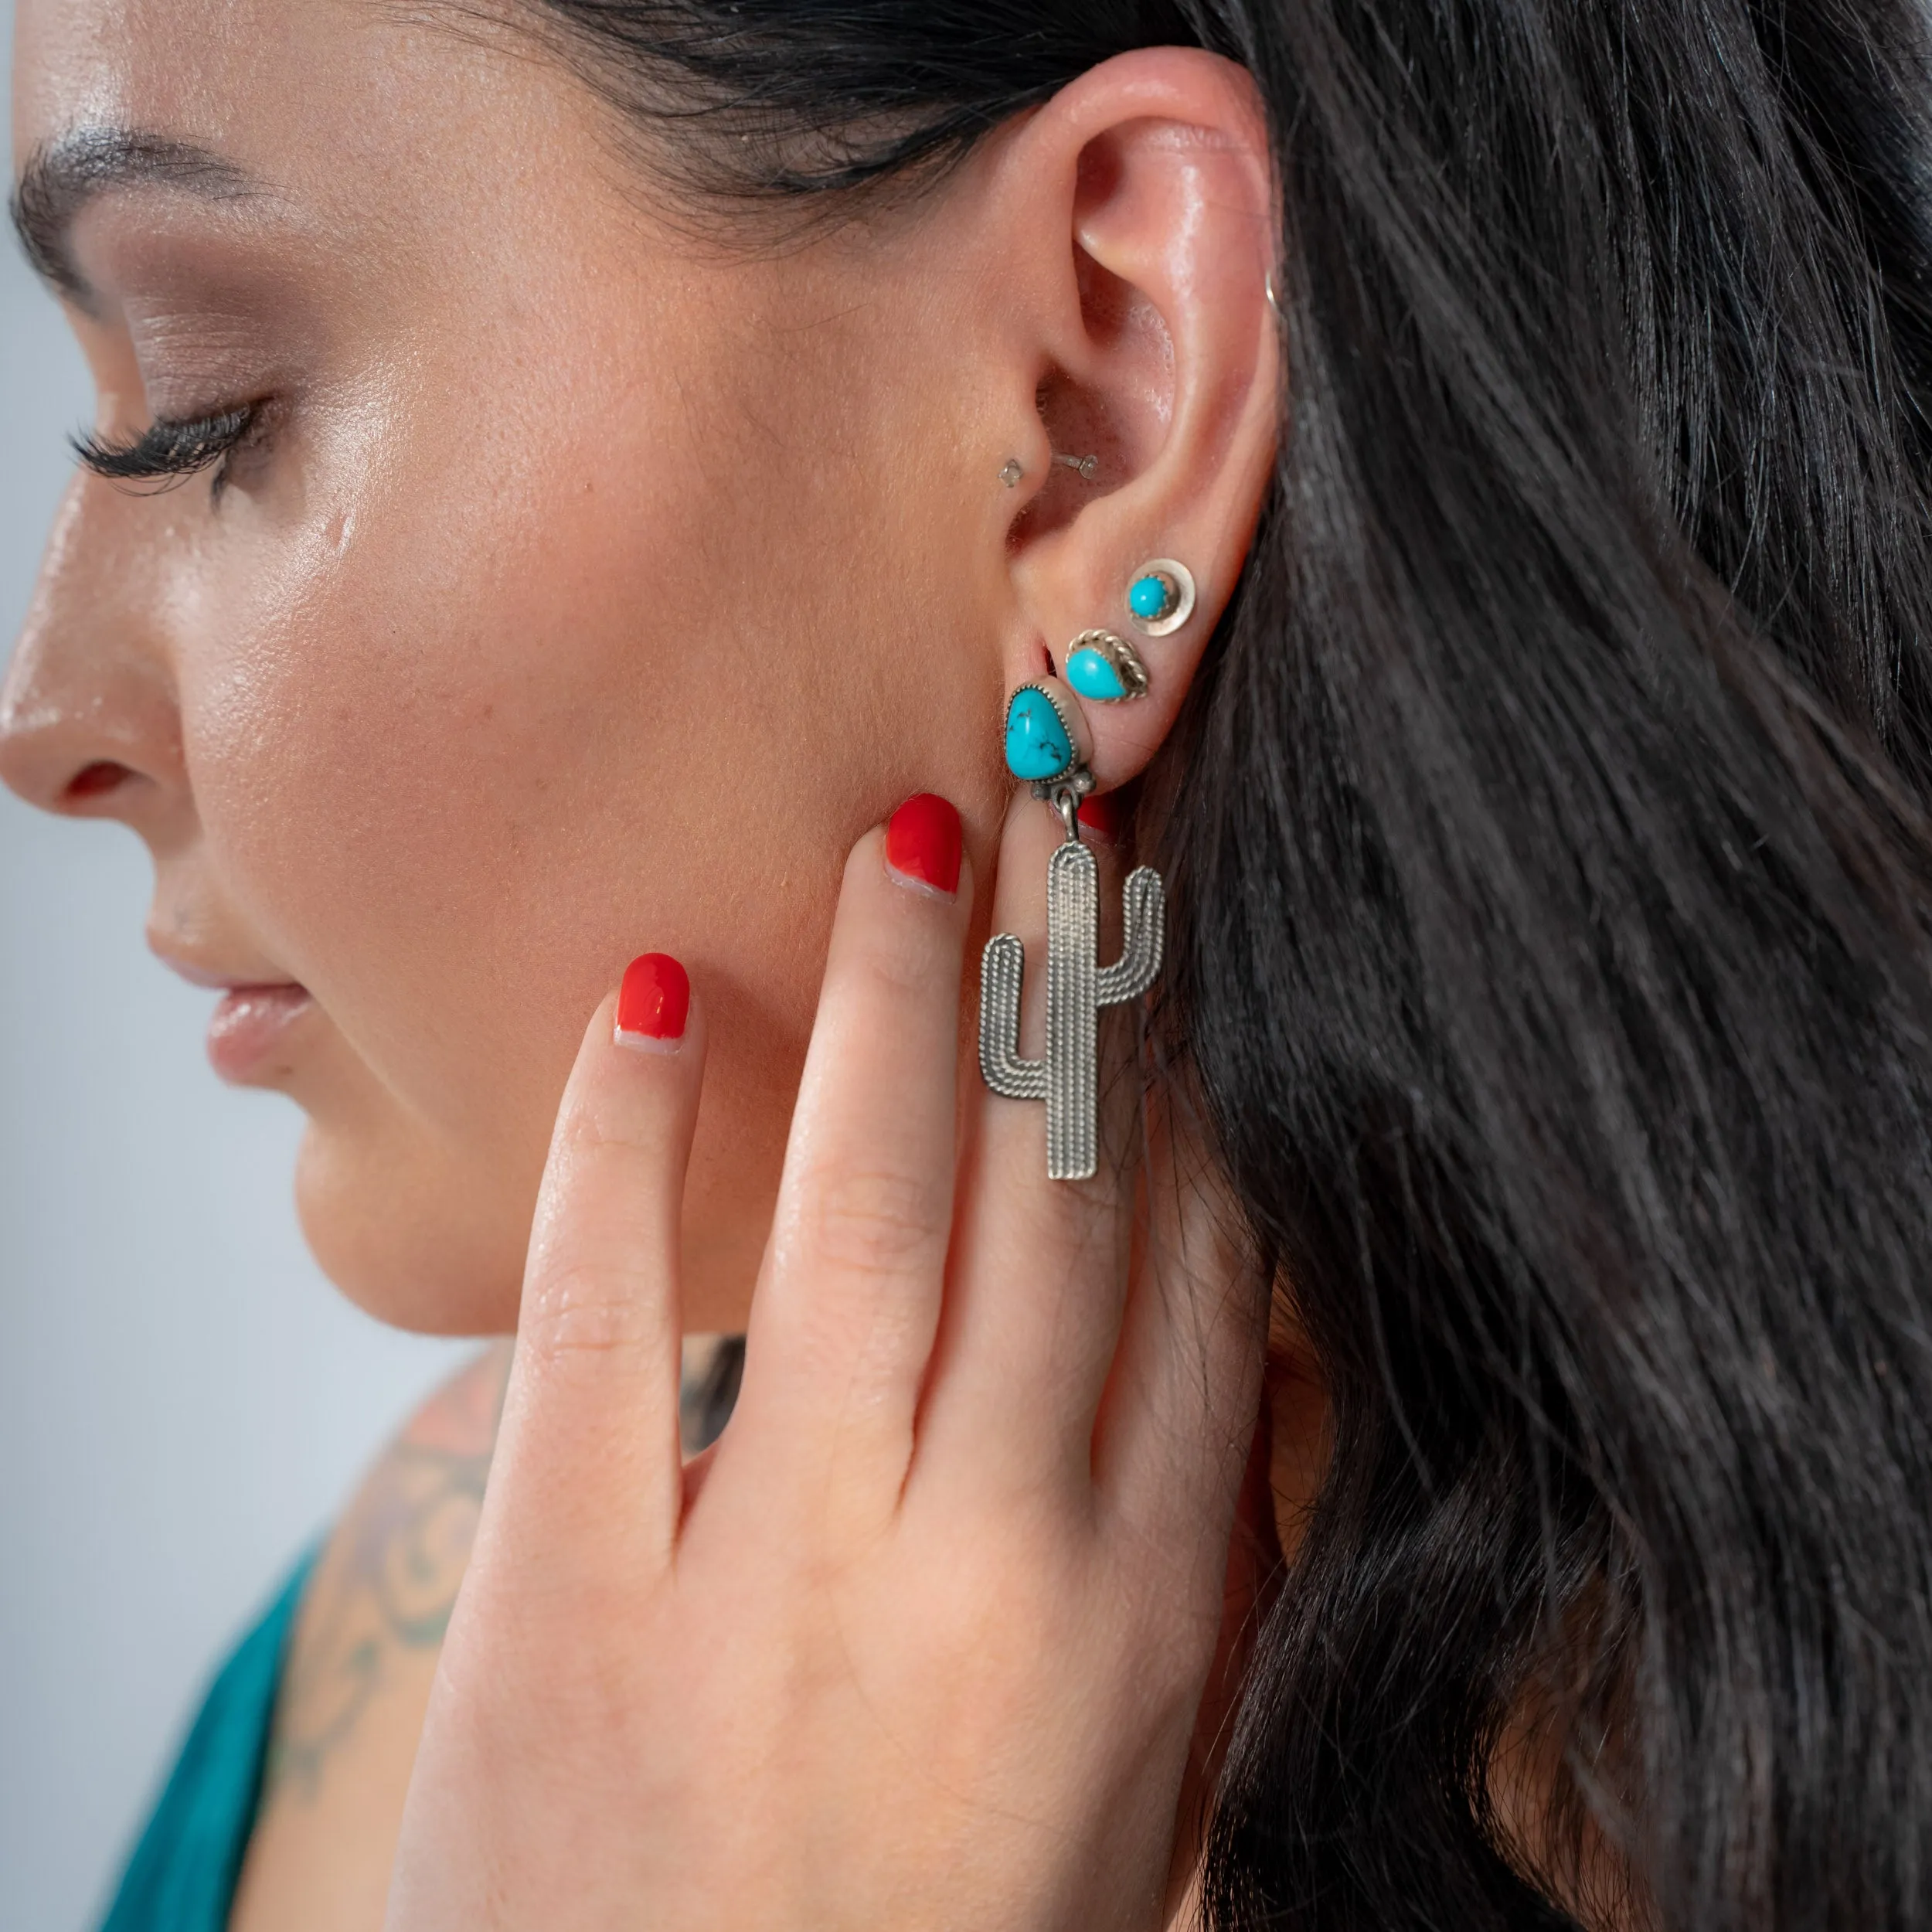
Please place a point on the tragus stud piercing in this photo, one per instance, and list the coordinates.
(1160, 598)
(1103, 665)
(1010, 474)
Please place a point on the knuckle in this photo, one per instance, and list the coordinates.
(874, 1221)
(901, 960)
(575, 1309)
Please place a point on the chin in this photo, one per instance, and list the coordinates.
(413, 1240)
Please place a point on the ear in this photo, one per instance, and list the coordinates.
(1139, 206)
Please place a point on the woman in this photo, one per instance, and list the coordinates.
(567, 467)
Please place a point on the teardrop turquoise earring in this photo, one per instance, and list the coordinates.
(1104, 667)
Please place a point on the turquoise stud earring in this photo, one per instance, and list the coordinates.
(1046, 738)
(1105, 667)
(1160, 598)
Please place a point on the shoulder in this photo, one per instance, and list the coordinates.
(356, 1677)
(356, 1680)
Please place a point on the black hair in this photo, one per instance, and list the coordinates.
(1548, 836)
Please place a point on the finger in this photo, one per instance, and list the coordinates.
(1177, 1419)
(1039, 1264)
(587, 1469)
(842, 1324)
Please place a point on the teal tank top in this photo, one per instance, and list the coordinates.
(181, 1876)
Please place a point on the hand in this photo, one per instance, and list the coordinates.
(921, 1642)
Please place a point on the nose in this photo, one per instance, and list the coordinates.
(89, 724)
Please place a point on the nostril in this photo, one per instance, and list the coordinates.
(94, 781)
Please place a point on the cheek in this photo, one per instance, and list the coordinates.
(456, 780)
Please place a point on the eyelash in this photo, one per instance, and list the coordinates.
(172, 450)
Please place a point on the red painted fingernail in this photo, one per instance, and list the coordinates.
(923, 843)
(1100, 814)
(653, 1003)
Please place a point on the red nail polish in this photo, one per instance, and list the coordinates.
(654, 1002)
(1100, 814)
(922, 842)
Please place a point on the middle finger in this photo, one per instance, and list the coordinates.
(1039, 1266)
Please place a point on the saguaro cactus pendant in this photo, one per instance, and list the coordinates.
(1077, 984)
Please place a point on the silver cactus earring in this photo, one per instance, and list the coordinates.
(1046, 746)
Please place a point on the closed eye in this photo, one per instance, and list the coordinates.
(170, 449)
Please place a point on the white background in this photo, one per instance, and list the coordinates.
(183, 1400)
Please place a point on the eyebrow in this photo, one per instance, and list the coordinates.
(61, 176)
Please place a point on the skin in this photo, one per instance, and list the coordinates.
(594, 584)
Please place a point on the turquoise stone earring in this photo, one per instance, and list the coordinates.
(1047, 745)
(1160, 598)
(1105, 667)
(1044, 741)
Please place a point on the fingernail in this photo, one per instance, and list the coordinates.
(653, 1004)
(923, 843)
(1100, 814)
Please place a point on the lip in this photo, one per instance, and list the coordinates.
(251, 1021)
(248, 1033)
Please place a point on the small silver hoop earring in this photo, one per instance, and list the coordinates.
(1267, 289)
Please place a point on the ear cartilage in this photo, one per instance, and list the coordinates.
(1160, 599)
(1103, 666)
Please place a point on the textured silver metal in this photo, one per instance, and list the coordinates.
(1001, 968)
(1076, 987)
(1077, 780)
(1116, 649)
(1073, 1053)
(1143, 940)
(1178, 613)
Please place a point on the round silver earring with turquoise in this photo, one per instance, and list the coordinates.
(1103, 666)
(1160, 598)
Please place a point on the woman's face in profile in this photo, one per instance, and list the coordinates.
(579, 585)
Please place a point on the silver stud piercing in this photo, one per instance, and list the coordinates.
(1044, 746)
(1083, 467)
(1103, 666)
(1160, 598)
